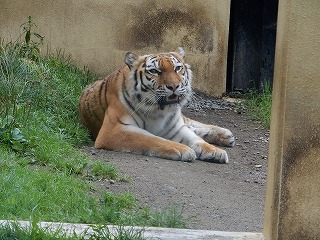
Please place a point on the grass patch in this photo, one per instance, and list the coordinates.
(14, 231)
(45, 195)
(259, 104)
(43, 173)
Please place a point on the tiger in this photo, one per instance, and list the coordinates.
(138, 109)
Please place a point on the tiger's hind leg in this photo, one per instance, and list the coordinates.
(211, 134)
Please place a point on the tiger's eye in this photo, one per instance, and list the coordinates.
(154, 71)
(178, 68)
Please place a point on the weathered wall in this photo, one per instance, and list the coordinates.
(98, 33)
(293, 192)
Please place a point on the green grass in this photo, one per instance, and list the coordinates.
(49, 196)
(14, 231)
(43, 173)
(259, 104)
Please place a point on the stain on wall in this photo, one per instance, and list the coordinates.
(151, 26)
(301, 181)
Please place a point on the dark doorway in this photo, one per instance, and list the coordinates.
(251, 47)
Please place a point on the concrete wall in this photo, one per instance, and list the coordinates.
(98, 33)
(293, 186)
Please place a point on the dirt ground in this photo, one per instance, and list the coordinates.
(221, 197)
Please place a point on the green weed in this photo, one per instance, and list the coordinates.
(259, 104)
(171, 217)
(29, 48)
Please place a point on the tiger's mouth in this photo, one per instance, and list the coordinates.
(172, 99)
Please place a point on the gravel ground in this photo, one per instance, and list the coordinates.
(221, 197)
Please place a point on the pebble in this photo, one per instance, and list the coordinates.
(93, 151)
(258, 166)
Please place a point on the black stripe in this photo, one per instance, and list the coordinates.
(139, 97)
(101, 86)
(187, 78)
(206, 135)
(169, 120)
(135, 80)
(100, 90)
(200, 154)
(144, 87)
(125, 94)
(122, 123)
(176, 133)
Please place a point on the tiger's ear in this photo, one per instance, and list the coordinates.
(180, 51)
(130, 59)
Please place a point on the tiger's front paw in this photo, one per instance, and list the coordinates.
(227, 139)
(178, 152)
(208, 152)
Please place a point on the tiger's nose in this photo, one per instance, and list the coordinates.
(172, 87)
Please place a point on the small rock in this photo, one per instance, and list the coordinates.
(258, 166)
(93, 151)
(112, 181)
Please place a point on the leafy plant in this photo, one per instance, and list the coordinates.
(30, 48)
(12, 136)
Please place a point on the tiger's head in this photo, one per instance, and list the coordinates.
(159, 81)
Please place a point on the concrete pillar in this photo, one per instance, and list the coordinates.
(293, 186)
